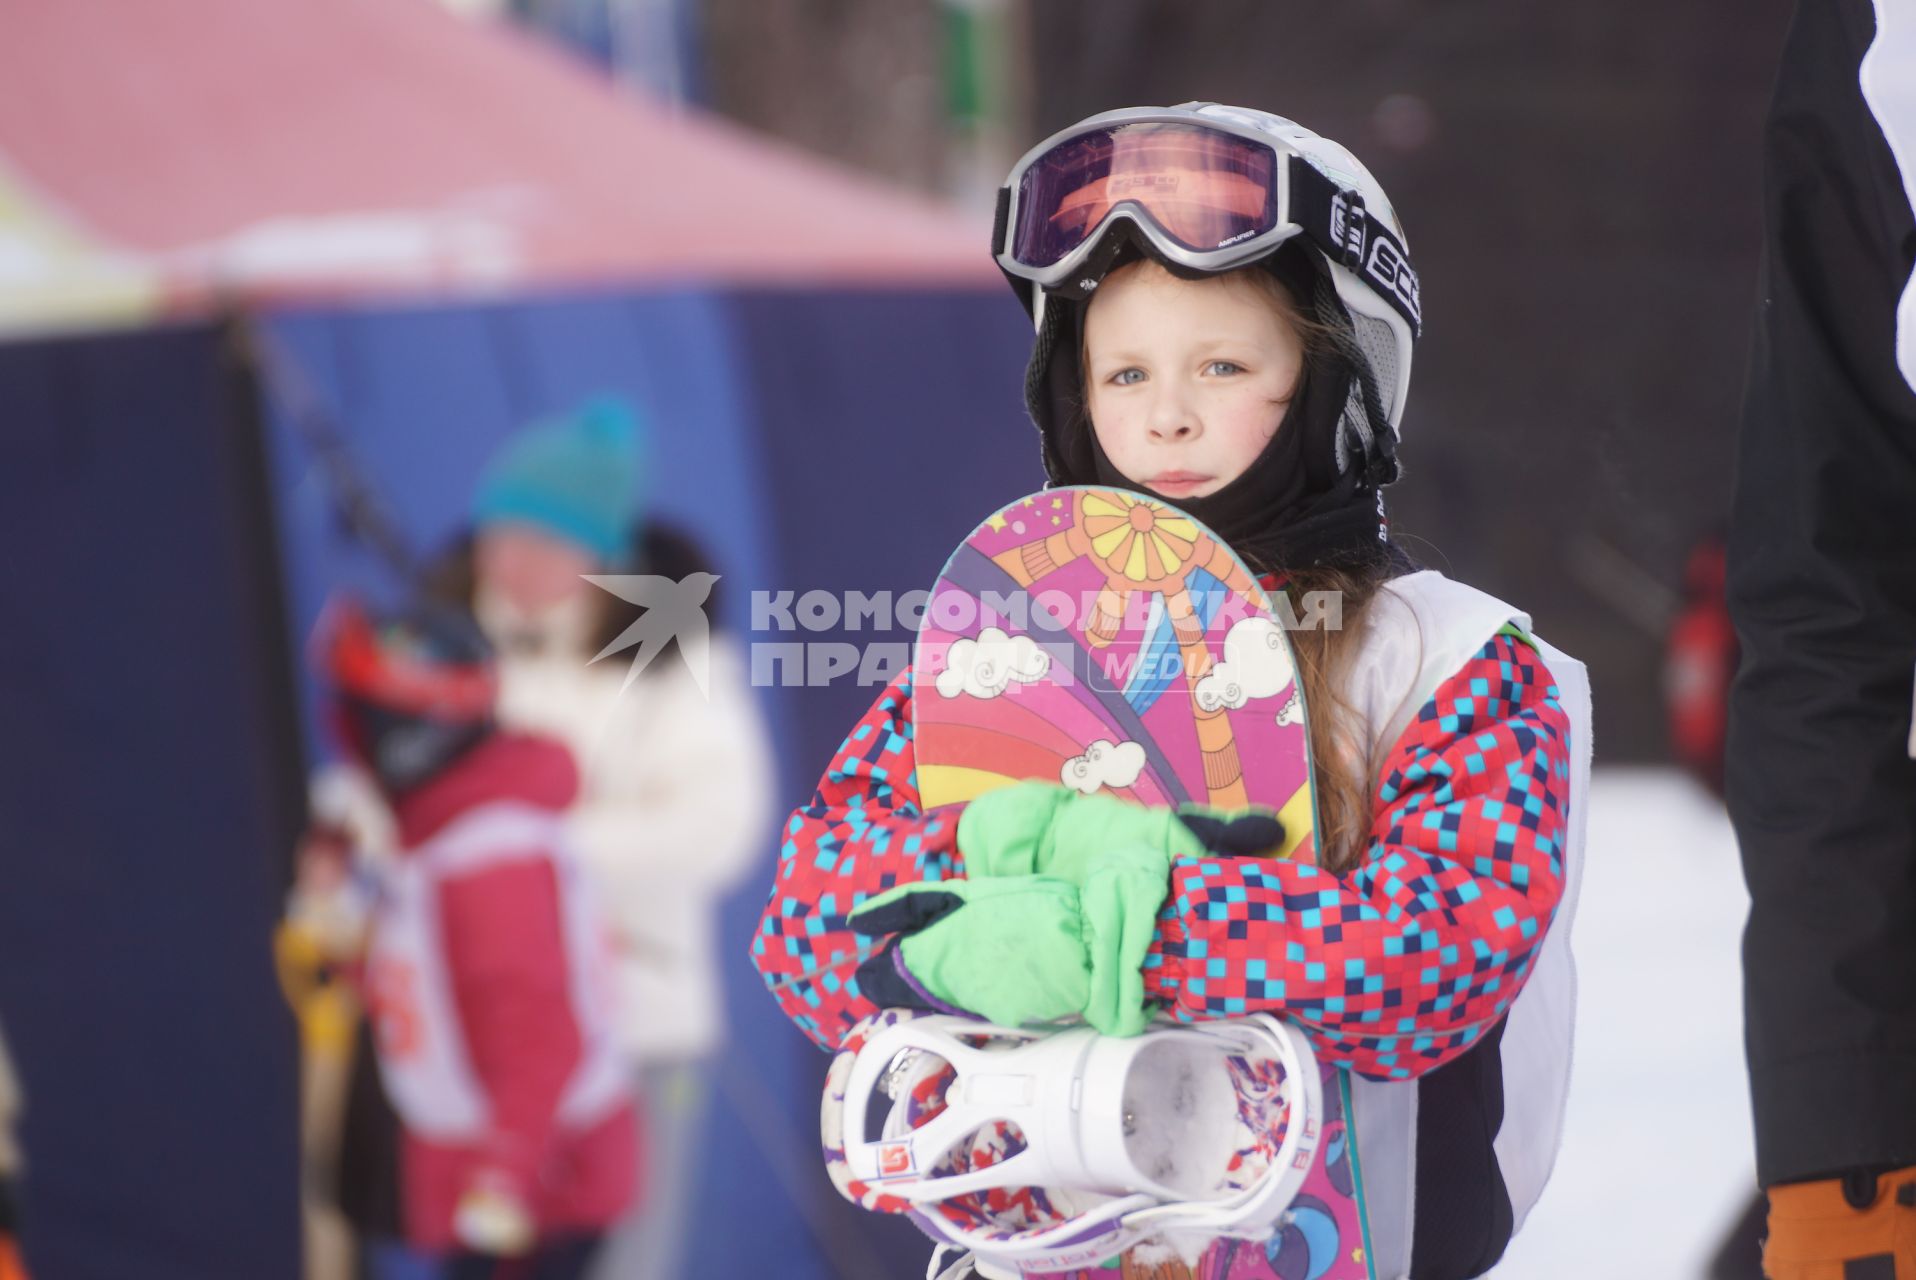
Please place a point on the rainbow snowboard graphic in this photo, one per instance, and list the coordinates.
(1104, 640)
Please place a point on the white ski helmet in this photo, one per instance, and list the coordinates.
(1044, 1151)
(1205, 188)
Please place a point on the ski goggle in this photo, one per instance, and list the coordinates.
(1202, 190)
(1209, 195)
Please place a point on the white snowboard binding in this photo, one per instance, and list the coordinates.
(1044, 1151)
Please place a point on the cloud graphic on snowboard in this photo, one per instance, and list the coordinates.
(1256, 664)
(1104, 764)
(987, 666)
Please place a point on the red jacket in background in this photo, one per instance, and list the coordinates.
(492, 1016)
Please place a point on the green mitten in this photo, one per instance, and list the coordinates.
(1040, 828)
(1021, 949)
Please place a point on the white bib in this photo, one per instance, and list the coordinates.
(1423, 628)
(423, 1056)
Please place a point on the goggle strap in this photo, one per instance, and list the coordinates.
(1350, 235)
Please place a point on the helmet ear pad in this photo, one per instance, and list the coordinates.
(1054, 392)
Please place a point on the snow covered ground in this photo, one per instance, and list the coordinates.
(1657, 1159)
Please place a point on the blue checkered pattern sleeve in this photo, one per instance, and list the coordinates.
(862, 832)
(1402, 963)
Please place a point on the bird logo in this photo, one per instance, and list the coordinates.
(673, 610)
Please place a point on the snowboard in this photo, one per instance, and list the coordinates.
(1106, 641)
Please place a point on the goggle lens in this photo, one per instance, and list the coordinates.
(1203, 188)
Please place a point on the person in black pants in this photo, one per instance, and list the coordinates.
(562, 1259)
(1822, 586)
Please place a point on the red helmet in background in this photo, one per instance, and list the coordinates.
(410, 691)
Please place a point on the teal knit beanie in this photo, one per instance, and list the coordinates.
(580, 477)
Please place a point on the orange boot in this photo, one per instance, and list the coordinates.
(1843, 1229)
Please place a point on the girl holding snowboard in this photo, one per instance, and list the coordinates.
(1225, 314)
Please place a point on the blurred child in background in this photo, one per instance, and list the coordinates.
(674, 795)
(485, 974)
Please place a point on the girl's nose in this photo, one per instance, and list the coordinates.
(1172, 419)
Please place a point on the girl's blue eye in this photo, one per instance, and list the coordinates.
(1124, 379)
(1226, 367)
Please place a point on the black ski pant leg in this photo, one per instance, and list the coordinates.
(1822, 587)
(561, 1258)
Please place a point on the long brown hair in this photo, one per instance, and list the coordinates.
(1343, 770)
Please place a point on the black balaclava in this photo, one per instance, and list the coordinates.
(1294, 507)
